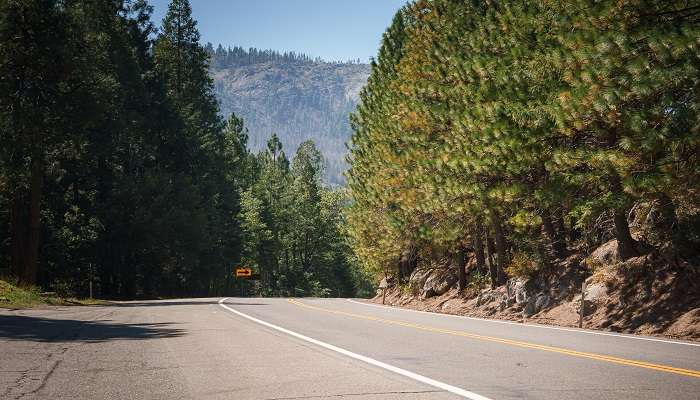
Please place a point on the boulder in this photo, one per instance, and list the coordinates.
(529, 309)
(438, 282)
(606, 253)
(504, 303)
(536, 304)
(596, 291)
(486, 296)
(596, 294)
(517, 290)
(541, 302)
(417, 280)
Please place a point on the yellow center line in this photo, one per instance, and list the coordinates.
(560, 350)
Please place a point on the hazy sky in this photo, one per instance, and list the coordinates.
(330, 29)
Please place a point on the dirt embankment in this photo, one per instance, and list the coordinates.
(652, 294)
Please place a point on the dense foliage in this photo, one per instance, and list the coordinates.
(520, 131)
(293, 227)
(116, 167)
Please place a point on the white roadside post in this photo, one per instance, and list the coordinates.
(583, 304)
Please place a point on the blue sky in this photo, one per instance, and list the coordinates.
(330, 29)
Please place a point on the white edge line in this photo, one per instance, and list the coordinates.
(555, 328)
(420, 378)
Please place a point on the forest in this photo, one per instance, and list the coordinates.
(118, 171)
(236, 56)
(517, 133)
(512, 134)
(292, 94)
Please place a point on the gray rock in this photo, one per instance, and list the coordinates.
(536, 304)
(504, 303)
(596, 291)
(417, 280)
(606, 253)
(518, 291)
(439, 282)
(541, 302)
(529, 308)
(483, 297)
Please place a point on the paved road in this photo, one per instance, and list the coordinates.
(323, 349)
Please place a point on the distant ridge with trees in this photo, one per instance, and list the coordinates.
(237, 56)
(295, 95)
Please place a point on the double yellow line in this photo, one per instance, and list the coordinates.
(560, 350)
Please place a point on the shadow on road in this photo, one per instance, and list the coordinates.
(160, 303)
(157, 303)
(36, 329)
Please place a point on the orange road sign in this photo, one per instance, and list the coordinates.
(243, 272)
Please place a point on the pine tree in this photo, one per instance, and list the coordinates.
(371, 158)
(509, 127)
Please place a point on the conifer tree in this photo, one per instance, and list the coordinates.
(511, 127)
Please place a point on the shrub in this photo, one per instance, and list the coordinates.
(478, 281)
(522, 266)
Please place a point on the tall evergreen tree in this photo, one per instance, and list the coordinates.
(510, 127)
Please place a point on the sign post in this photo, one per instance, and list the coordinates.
(383, 285)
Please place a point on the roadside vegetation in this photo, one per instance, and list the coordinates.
(117, 169)
(510, 136)
(12, 296)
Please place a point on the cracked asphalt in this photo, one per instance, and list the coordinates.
(196, 349)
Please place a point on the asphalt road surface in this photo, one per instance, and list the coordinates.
(323, 349)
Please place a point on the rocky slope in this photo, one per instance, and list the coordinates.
(657, 293)
(297, 98)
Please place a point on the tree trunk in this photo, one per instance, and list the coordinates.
(18, 234)
(679, 240)
(31, 258)
(407, 264)
(495, 219)
(477, 239)
(668, 213)
(626, 245)
(558, 247)
(562, 232)
(561, 226)
(459, 260)
(574, 232)
(490, 249)
(543, 252)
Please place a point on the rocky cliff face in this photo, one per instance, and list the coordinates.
(645, 295)
(297, 99)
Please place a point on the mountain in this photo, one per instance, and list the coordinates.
(290, 94)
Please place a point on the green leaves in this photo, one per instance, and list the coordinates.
(523, 108)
